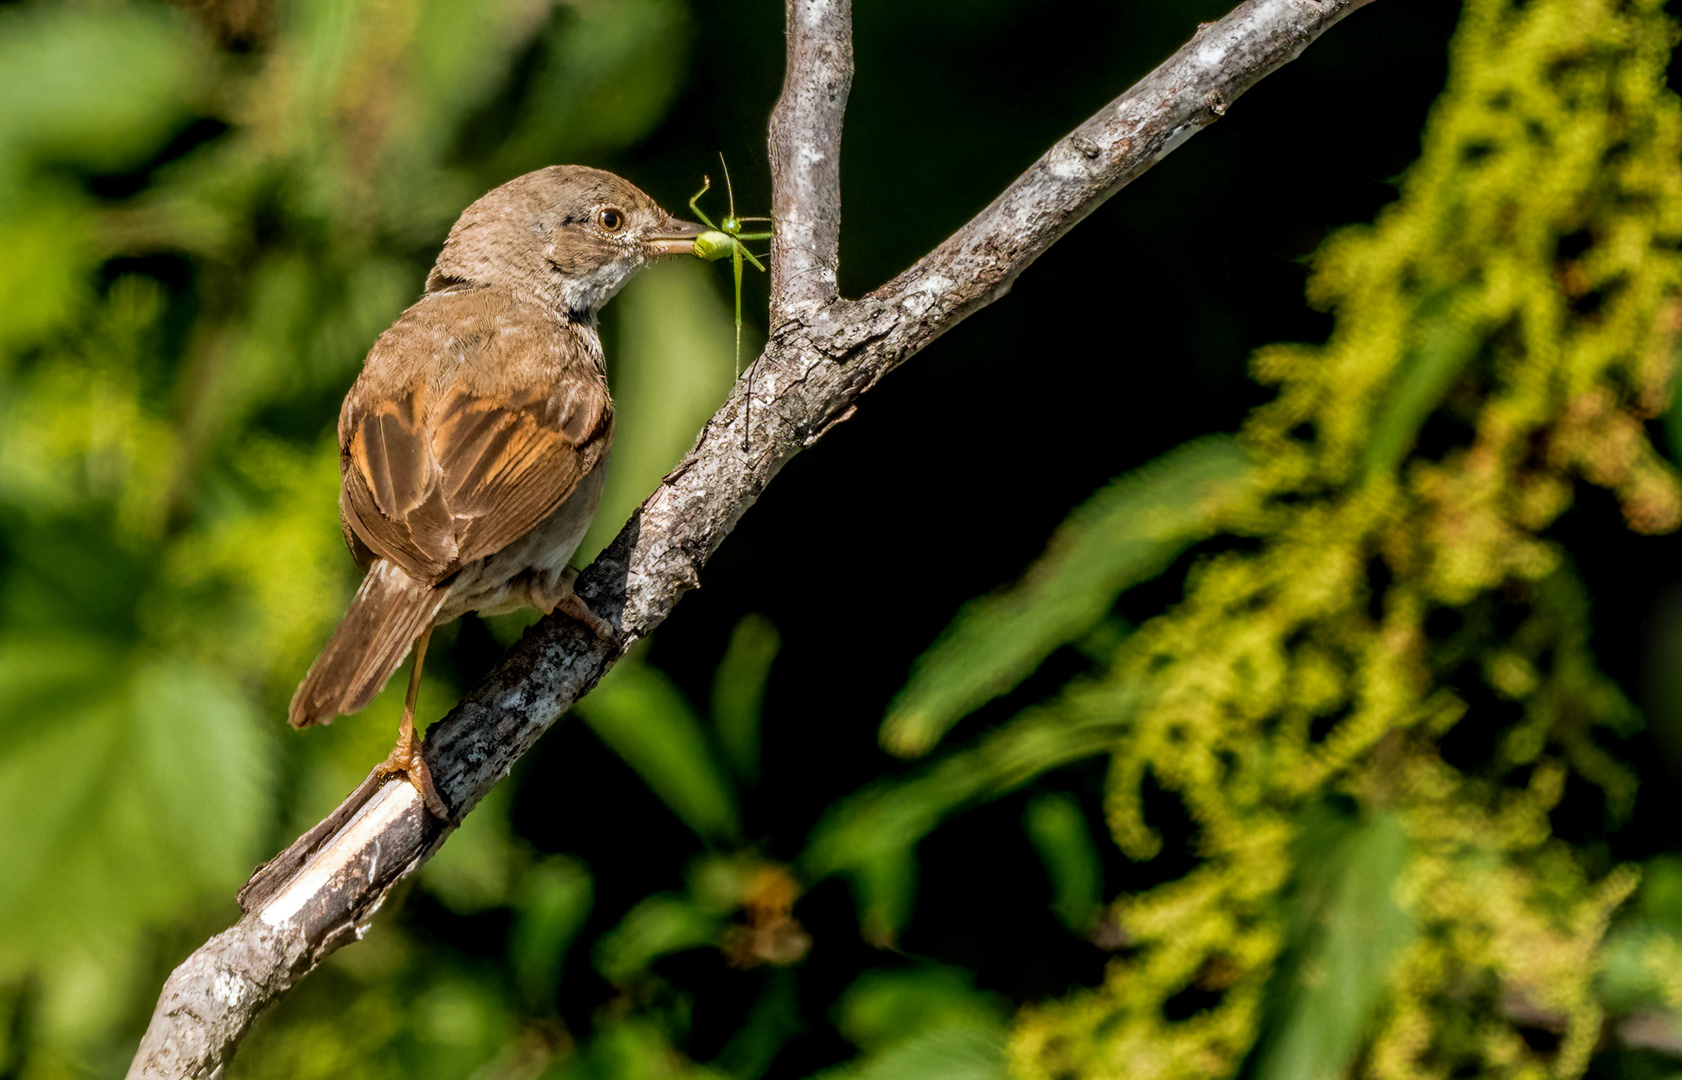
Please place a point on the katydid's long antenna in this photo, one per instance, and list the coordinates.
(729, 188)
(727, 237)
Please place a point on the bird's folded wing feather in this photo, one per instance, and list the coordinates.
(433, 485)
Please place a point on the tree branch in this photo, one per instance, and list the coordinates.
(806, 155)
(823, 354)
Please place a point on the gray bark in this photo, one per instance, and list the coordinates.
(824, 353)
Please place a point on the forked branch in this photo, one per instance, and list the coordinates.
(823, 354)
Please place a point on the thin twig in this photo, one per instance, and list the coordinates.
(823, 354)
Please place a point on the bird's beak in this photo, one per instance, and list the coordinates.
(675, 237)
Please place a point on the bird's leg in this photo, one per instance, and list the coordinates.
(405, 758)
(560, 597)
(572, 604)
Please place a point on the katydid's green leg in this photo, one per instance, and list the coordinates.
(714, 244)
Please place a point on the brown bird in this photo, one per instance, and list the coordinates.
(473, 446)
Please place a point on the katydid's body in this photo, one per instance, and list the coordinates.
(726, 239)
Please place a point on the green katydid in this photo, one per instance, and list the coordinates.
(726, 239)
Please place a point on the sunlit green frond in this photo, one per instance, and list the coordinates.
(1126, 533)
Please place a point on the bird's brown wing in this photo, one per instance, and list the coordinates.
(510, 462)
(391, 496)
(432, 486)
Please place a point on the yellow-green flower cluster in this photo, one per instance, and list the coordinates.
(1504, 331)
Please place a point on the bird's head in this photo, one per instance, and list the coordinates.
(572, 235)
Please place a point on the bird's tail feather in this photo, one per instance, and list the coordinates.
(389, 612)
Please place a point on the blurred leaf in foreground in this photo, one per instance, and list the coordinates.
(870, 836)
(738, 696)
(1349, 929)
(645, 719)
(658, 926)
(884, 1007)
(550, 906)
(1126, 533)
(921, 1023)
(1060, 834)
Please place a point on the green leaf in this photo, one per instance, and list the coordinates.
(885, 889)
(774, 1020)
(51, 774)
(1058, 830)
(951, 1053)
(738, 696)
(550, 905)
(866, 834)
(204, 759)
(101, 87)
(1448, 337)
(658, 926)
(145, 788)
(1349, 929)
(643, 717)
(885, 1007)
(1126, 533)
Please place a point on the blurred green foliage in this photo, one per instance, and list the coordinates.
(1125, 534)
(169, 358)
(210, 212)
(647, 721)
(1058, 829)
(1343, 927)
(1523, 285)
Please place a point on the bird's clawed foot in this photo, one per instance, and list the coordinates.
(405, 758)
(561, 598)
(578, 609)
(406, 761)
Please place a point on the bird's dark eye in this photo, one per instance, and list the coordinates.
(610, 218)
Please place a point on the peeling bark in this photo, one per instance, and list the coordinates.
(824, 353)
